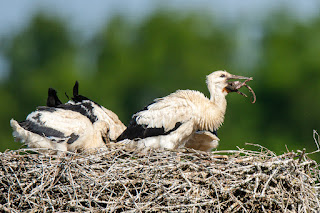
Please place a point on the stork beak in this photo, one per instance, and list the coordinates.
(234, 86)
(239, 77)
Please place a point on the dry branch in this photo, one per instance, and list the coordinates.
(115, 179)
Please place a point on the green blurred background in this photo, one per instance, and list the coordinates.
(129, 60)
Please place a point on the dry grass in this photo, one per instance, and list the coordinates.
(115, 179)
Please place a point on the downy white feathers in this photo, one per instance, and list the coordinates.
(183, 118)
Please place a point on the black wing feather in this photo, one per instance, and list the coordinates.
(53, 100)
(41, 130)
(137, 131)
(44, 131)
(85, 109)
(79, 98)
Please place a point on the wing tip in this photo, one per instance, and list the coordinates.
(53, 99)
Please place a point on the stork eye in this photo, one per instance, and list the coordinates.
(222, 75)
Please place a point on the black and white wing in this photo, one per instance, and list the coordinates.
(55, 128)
(161, 117)
(76, 125)
(102, 119)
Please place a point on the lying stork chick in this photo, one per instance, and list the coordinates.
(183, 118)
(80, 124)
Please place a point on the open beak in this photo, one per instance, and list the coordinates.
(234, 86)
(239, 77)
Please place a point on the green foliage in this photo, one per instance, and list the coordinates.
(127, 65)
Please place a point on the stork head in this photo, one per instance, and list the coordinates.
(219, 82)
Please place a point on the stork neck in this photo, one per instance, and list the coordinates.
(218, 96)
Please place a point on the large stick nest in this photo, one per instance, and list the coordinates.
(115, 179)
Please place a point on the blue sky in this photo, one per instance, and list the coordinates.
(88, 16)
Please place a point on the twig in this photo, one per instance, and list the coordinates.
(316, 140)
(115, 179)
(302, 155)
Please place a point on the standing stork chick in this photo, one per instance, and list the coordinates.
(77, 125)
(172, 121)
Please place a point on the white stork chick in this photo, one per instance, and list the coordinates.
(178, 119)
(80, 124)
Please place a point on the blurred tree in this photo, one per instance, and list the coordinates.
(286, 81)
(40, 56)
(159, 56)
(289, 81)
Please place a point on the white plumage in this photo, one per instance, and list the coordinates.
(183, 118)
(45, 129)
(203, 140)
(80, 124)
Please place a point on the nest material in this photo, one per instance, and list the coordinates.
(115, 179)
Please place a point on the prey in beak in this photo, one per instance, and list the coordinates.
(234, 86)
